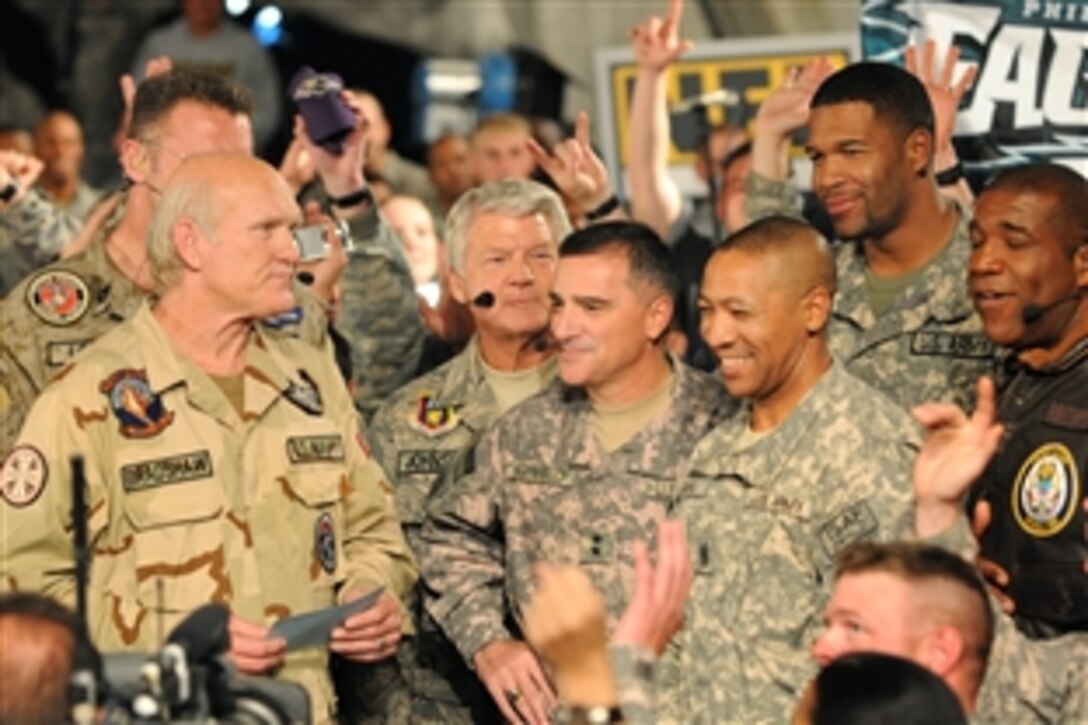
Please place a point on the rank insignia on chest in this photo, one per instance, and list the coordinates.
(1047, 491)
(325, 542)
(23, 476)
(58, 297)
(305, 394)
(432, 418)
(140, 411)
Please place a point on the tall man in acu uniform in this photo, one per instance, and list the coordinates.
(223, 465)
(575, 474)
(902, 319)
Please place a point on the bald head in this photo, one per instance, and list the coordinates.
(202, 189)
(800, 256)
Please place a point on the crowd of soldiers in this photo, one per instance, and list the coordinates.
(565, 519)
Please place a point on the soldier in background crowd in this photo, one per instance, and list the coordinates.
(816, 460)
(902, 320)
(223, 464)
(32, 231)
(575, 474)
(58, 142)
(929, 605)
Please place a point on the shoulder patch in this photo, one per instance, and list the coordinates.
(139, 410)
(1046, 493)
(58, 297)
(325, 542)
(23, 476)
(305, 395)
(433, 419)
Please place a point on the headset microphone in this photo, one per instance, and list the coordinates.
(1032, 312)
(484, 299)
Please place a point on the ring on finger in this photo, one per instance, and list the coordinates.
(513, 694)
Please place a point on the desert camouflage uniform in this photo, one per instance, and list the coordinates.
(765, 520)
(270, 512)
(32, 233)
(419, 435)
(545, 491)
(1031, 682)
(929, 345)
(53, 314)
(379, 313)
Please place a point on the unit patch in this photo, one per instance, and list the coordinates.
(325, 542)
(165, 471)
(58, 297)
(854, 523)
(314, 449)
(1047, 491)
(140, 411)
(433, 419)
(950, 344)
(305, 394)
(23, 476)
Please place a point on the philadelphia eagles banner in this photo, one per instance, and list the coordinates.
(1030, 99)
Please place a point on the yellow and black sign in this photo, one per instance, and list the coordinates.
(751, 68)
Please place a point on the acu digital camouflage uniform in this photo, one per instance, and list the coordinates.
(379, 313)
(929, 345)
(765, 520)
(1032, 682)
(32, 233)
(544, 490)
(271, 512)
(421, 435)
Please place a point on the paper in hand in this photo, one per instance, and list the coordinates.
(313, 629)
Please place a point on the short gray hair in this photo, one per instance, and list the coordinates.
(509, 197)
(191, 197)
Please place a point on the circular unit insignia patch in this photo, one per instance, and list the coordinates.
(23, 476)
(325, 542)
(1046, 492)
(58, 297)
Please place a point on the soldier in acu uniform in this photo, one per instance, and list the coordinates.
(575, 474)
(502, 238)
(902, 320)
(816, 460)
(223, 464)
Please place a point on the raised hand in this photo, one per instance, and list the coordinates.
(575, 168)
(786, 110)
(954, 454)
(656, 610)
(656, 42)
(565, 623)
(945, 93)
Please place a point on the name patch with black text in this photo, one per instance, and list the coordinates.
(314, 449)
(853, 523)
(165, 471)
(951, 344)
(423, 461)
